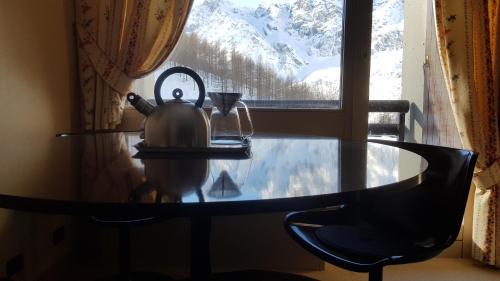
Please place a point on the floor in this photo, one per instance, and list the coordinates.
(442, 269)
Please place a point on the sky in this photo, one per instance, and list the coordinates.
(246, 3)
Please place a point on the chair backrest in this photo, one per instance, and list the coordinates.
(434, 209)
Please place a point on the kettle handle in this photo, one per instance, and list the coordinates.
(185, 70)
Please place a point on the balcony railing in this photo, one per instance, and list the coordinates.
(383, 128)
(400, 107)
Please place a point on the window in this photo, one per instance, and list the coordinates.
(292, 57)
(386, 69)
(270, 51)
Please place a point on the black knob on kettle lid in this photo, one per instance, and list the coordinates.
(177, 93)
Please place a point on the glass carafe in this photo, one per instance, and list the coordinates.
(225, 121)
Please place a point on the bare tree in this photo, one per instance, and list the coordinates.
(228, 70)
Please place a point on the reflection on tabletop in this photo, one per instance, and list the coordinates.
(278, 168)
(108, 170)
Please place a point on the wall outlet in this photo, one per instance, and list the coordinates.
(14, 265)
(58, 235)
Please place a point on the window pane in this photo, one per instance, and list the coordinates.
(386, 56)
(387, 50)
(284, 53)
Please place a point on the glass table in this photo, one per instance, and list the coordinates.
(283, 173)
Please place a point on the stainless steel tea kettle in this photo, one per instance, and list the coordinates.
(175, 123)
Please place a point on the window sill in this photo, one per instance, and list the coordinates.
(269, 120)
(324, 120)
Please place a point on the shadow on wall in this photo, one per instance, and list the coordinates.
(11, 222)
(28, 248)
(416, 117)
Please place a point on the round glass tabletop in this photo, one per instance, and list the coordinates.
(282, 173)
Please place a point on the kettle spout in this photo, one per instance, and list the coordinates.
(140, 104)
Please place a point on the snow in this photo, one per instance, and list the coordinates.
(300, 38)
(385, 82)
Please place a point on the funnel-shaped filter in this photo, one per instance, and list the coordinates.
(224, 101)
(224, 187)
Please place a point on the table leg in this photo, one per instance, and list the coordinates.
(125, 273)
(124, 252)
(200, 247)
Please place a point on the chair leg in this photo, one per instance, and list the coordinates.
(375, 275)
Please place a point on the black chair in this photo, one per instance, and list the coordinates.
(392, 227)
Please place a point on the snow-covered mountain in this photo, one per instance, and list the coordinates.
(302, 38)
(295, 37)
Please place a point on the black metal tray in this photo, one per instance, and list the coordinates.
(216, 150)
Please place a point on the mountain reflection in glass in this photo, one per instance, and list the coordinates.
(285, 167)
(280, 167)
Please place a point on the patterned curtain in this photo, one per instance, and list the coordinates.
(119, 41)
(469, 48)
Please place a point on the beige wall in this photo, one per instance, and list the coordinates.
(37, 92)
